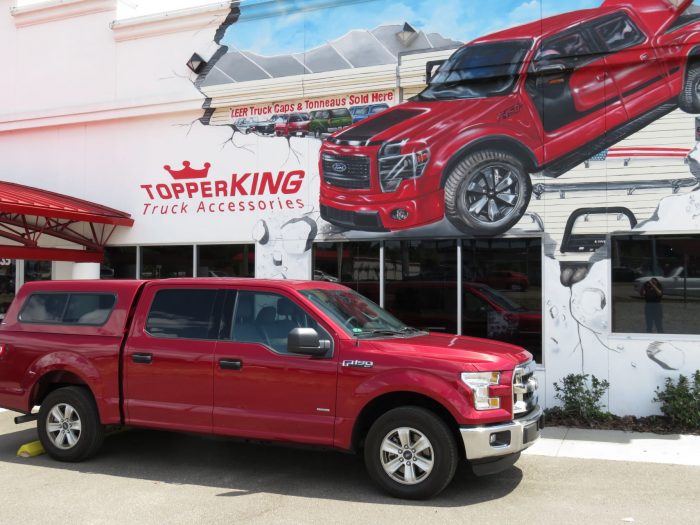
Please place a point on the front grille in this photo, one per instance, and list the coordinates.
(355, 220)
(346, 171)
(524, 389)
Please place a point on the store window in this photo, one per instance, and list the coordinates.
(119, 263)
(8, 269)
(421, 283)
(656, 284)
(162, 262)
(354, 264)
(234, 260)
(37, 271)
(502, 291)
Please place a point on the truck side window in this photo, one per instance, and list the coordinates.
(267, 318)
(618, 33)
(68, 308)
(183, 314)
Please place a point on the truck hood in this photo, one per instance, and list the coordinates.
(477, 354)
(422, 119)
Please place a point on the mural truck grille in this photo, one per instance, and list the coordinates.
(346, 171)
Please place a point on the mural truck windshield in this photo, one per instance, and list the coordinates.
(480, 70)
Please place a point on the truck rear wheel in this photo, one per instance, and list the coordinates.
(487, 193)
(69, 425)
(689, 99)
(411, 453)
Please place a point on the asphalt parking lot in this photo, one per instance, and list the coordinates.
(158, 477)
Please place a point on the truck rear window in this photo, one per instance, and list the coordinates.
(91, 309)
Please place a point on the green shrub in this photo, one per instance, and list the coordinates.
(581, 398)
(680, 402)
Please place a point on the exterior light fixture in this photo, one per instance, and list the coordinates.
(196, 63)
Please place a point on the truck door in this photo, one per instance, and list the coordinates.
(633, 63)
(569, 85)
(260, 390)
(169, 358)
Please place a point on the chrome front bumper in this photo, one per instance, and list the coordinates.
(493, 441)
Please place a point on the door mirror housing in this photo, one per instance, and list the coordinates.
(305, 341)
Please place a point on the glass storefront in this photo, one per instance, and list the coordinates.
(501, 284)
(8, 269)
(119, 263)
(354, 264)
(421, 283)
(234, 260)
(656, 284)
(163, 262)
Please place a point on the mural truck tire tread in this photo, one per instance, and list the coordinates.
(441, 439)
(465, 172)
(689, 99)
(91, 430)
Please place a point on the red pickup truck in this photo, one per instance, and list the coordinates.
(293, 361)
(540, 97)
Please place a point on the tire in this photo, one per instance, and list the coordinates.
(59, 408)
(497, 210)
(411, 424)
(689, 99)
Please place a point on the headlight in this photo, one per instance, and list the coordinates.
(395, 166)
(479, 383)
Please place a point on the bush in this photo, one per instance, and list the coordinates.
(581, 398)
(680, 402)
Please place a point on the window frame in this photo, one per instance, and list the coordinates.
(593, 26)
(65, 308)
(641, 336)
(332, 333)
(216, 313)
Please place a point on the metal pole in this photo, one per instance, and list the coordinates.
(381, 274)
(459, 287)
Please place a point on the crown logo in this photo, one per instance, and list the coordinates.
(188, 173)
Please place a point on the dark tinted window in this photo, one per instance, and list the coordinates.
(234, 260)
(267, 319)
(478, 70)
(340, 113)
(656, 284)
(161, 262)
(295, 118)
(568, 50)
(119, 263)
(618, 33)
(690, 15)
(67, 308)
(183, 314)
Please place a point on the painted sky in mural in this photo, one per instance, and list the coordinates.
(297, 25)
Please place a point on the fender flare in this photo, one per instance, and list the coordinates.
(62, 361)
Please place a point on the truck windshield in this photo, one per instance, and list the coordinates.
(477, 71)
(358, 315)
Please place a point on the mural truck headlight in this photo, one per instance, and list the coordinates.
(395, 165)
(479, 383)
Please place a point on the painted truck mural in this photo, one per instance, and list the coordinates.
(574, 125)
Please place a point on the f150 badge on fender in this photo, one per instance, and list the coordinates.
(358, 364)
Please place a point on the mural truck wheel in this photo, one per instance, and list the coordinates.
(487, 192)
(689, 99)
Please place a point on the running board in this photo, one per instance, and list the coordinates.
(568, 162)
(630, 187)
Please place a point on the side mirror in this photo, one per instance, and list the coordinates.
(305, 341)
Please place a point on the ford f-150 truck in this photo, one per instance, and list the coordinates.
(540, 97)
(293, 361)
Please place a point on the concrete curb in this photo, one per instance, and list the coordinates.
(616, 445)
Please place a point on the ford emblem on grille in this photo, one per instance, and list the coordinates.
(340, 167)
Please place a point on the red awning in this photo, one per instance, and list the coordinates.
(28, 213)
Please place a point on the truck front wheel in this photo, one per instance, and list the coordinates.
(69, 424)
(487, 193)
(689, 99)
(411, 453)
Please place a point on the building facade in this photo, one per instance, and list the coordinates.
(537, 185)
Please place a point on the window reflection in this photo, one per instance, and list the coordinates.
(656, 284)
(354, 264)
